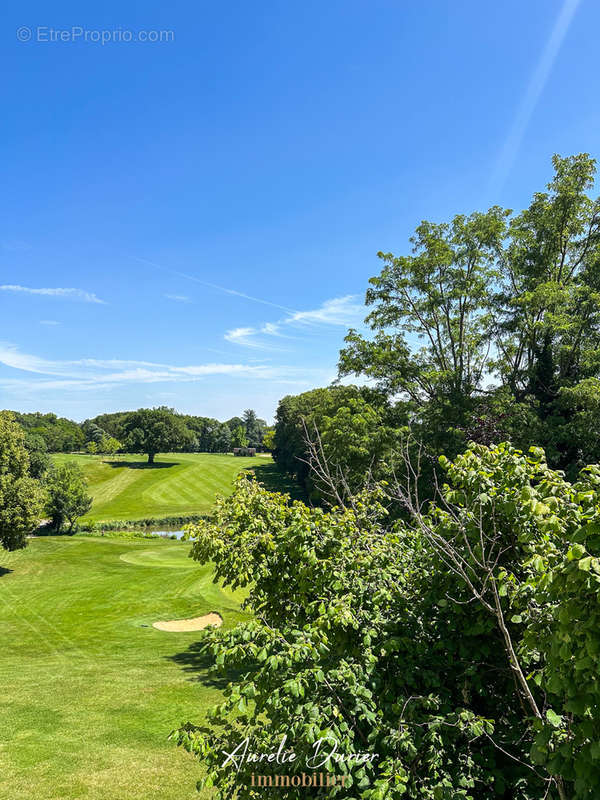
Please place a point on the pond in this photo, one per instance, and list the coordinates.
(168, 534)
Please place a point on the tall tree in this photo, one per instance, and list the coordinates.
(548, 332)
(254, 427)
(154, 430)
(239, 437)
(20, 496)
(432, 312)
(67, 497)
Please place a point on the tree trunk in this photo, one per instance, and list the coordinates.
(151, 458)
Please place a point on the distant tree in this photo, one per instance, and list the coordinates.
(239, 438)
(92, 448)
(20, 496)
(60, 435)
(234, 423)
(254, 428)
(39, 460)
(154, 430)
(222, 439)
(269, 439)
(94, 433)
(109, 445)
(67, 497)
(112, 424)
(357, 428)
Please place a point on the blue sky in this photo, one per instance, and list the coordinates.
(193, 222)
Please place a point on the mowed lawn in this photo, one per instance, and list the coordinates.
(89, 691)
(125, 487)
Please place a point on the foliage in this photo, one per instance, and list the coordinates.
(494, 297)
(461, 646)
(154, 430)
(239, 437)
(67, 497)
(20, 497)
(356, 426)
(255, 428)
(39, 460)
(60, 435)
(269, 439)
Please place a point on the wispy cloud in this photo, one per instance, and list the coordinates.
(532, 94)
(49, 322)
(342, 312)
(87, 373)
(68, 294)
(178, 298)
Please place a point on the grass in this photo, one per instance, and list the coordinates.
(88, 693)
(126, 488)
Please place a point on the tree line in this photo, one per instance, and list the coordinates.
(129, 431)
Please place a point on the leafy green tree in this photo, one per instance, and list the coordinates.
(222, 441)
(60, 435)
(432, 312)
(92, 448)
(39, 460)
(239, 437)
(269, 439)
(549, 304)
(110, 445)
(154, 430)
(20, 496)
(255, 428)
(355, 427)
(67, 497)
(493, 313)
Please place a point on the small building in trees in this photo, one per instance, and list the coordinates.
(244, 451)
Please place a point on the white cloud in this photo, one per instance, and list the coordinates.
(343, 311)
(246, 338)
(90, 373)
(49, 322)
(68, 294)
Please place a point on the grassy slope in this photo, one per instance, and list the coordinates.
(125, 487)
(88, 695)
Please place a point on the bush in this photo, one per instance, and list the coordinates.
(461, 647)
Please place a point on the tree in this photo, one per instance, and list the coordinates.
(356, 428)
(154, 430)
(222, 439)
(269, 439)
(39, 460)
(92, 448)
(20, 496)
(109, 445)
(67, 497)
(549, 303)
(254, 428)
(440, 296)
(60, 435)
(239, 437)
(492, 311)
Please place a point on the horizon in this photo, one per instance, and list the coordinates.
(197, 226)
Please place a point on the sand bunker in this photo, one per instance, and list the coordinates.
(194, 624)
